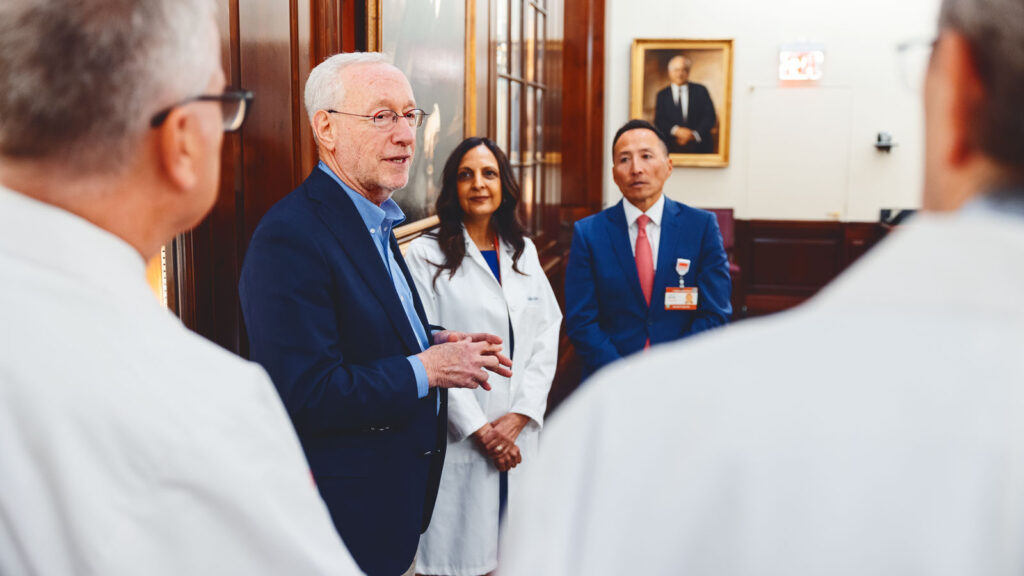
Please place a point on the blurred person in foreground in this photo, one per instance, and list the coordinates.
(128, 445)
(480, 273)
(877, 430)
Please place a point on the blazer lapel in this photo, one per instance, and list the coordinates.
(618, 235)
(417, 303)
(670, 232)
(338, 212)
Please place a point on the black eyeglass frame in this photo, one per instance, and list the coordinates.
(904, 51)
(243, 97)
(418, 118)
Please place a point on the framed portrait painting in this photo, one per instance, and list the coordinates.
(684, 87)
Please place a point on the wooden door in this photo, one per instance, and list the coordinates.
(268, 47)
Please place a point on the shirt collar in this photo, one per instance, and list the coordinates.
(387, 214)
(654, 212)
(1001, 200)
(59, 240)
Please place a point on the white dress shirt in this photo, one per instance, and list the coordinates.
(653, 227)
(128, 444)
(681, 96)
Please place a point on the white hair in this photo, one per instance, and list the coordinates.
(687, 62)
(82, 79)
(324, 88)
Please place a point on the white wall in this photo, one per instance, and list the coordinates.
(827, 131)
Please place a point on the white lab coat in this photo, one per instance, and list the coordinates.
(877, 430)
(463, 533)
(129, 445)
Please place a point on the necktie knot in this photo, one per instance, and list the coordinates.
(642, 223)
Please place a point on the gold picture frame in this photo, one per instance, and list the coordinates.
(705, 142)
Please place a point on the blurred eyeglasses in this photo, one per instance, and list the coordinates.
(234, 104)
(913, 58)
(388, 118)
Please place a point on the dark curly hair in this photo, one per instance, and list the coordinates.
(449, 211)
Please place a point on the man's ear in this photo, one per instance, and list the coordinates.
(179, 139)
(967, 95)
(323, 130)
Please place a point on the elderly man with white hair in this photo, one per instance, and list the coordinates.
(877, 430)
(128, 445)
(333, 315)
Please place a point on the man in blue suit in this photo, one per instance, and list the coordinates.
(334, 317)
(629, 286)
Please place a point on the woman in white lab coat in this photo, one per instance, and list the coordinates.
(480, 273)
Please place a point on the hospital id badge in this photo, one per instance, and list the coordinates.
(681, 298)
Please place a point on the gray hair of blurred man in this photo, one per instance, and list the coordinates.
(994, 30)
(80, 80)
(324, 87)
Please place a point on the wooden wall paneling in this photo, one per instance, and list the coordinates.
(344, 28)
(858, 238)
(270, 167)
(578, 127)
(309, 40)
(797, 265)
(786, 262)
(789, 262)
(583, 108)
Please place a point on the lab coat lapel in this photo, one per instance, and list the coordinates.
(473, 253)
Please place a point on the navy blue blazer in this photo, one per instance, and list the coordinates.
(324, 319)
(606, 315)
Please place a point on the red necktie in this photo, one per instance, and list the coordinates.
(644, 261)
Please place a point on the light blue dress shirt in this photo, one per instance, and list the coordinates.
(380, 221)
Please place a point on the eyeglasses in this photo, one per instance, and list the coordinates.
(387, 118)
(233, 107)
(913, 60)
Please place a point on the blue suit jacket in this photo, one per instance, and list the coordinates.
(606, 315)
(325, 321)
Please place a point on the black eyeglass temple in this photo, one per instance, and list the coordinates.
(227, 96)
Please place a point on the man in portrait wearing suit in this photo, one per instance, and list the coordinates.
(334, 317)
(633, 267)
(683, 111)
